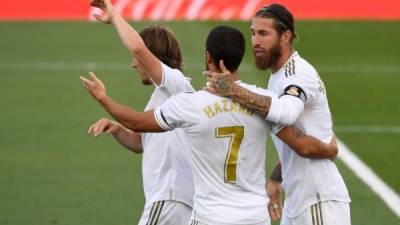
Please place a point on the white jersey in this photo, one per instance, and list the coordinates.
(166, 167)
(307, 181)
(228, 149)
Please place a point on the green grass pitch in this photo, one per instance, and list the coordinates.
(52, 172)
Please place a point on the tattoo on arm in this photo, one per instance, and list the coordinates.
(276, 174)
(254, 102)
(299, 133)
(223, 84)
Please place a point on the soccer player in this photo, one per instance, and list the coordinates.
(314, 189)
(166, 169)
(226, 141)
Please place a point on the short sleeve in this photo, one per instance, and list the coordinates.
(275, 128)
(176, 112)
(304, 85)
(174, 80)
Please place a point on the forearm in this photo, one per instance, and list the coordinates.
(136, 46)
(129, 36)
(254, 102)
(284, 110)
(129, 139)
(276, 174)
(305, 145)
(129, 118)
(320, 150)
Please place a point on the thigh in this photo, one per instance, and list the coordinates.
(166, 213)
(325, 213)
(286, 220)
(337, 213)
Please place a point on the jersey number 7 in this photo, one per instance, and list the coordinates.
(235, 133)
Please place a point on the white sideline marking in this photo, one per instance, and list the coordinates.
(368, 129)
(368, 176)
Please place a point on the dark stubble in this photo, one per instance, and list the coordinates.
(269, 58)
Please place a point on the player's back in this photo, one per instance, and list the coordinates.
(228, 148)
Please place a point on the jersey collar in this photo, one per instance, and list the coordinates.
(294, 54)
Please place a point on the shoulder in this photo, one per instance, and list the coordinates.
(174, 73)
(298, 66)
(257, 90)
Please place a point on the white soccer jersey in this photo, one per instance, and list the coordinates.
(166, 167)
(227, 144)
(307, 181)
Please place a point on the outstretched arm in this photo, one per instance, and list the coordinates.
(307, 146)
(129, 118)
(131, 40)
(124, 136)
(284, 110)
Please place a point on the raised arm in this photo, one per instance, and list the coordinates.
(127, 138)
(308, 146)
(131, 40)
(284, 110)
(129, 118)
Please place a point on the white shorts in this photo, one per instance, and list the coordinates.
(194, 222)
(322, 213)
(166, 213)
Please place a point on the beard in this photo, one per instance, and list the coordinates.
(268, 58)
(147, 81)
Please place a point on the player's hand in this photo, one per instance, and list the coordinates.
(108, 10)
(274, 191)
(334, 147)
(94, 86)
(219, 82)
(103, 126)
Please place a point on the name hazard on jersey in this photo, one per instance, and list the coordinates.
(225, 106)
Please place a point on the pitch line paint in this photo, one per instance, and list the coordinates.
(369, 177)
(368, 129)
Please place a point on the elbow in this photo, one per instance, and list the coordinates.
(334, 152)
(304, 151)
(137, 50)
(136, 151)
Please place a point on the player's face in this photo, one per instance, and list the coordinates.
(266, 43)
(143, 76)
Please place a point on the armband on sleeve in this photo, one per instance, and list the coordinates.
(296, 91)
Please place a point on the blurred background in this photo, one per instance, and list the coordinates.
(53, 172)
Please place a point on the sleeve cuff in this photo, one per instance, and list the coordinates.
(160, 119)
(274, 110)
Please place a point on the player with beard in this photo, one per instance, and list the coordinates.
(315, 192)
(226, 141)
(166, 170)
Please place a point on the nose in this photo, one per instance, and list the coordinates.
(255, 41)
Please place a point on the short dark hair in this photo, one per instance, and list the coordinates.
(162, 42)
(282, 16)
(228, 44)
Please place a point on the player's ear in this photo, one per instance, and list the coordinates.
(209, 59)
(210, 62)
(286, 37)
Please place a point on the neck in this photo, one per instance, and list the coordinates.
(282, 60)
(235, 76)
